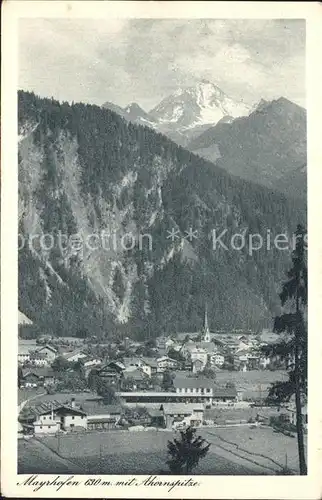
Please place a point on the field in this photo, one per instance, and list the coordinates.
(36, 458)
(263, 445)
(124, 452)
(24, 394)
(254, 384)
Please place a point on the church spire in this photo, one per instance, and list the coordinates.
(206, 330)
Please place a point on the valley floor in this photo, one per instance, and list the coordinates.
(234, 451)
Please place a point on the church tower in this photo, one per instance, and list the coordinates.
(206, 330)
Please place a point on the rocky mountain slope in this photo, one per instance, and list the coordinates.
(267, 147)
(91, 184)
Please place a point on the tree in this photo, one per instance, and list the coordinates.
(78, 367)
(105, 391)
(151, 343)
(60, 364)
(177, 355)
(186, 452)
(208, 372)
(293, 347)
(167, 380)
(92, 380)
(20, 376)
(71, 381)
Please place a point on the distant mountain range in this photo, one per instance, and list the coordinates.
(267, 147)
(265, 143)
(185, 113)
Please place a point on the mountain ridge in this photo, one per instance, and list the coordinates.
(83, 169)
(265, 146)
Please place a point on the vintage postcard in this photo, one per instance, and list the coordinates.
(161, 169)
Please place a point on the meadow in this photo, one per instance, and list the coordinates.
(236, 451)
(254, 384)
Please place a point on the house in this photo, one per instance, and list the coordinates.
(165, 363)
(75, 355)
(264, 362)
(90, 361)
(198, 353)
(51, 416)
(184, 413)
(245, 360)
(149, 366)
(101, 417)
(134, 379)
(216, 359)
(253, 361)
(160, 342)
(198, 365)
(46, 427)
(156, 417)
(30, 379)
(226, 395)
(23, 319)
(42, 376)
(38, 359)
(112, 372)
(46, 375)
(182, 337)
(23, 354)
(132, 363)
(192, 386)
(50, 352)
(169, 343)
(204, 389)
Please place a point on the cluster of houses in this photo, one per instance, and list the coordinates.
(128, 371)
(138, 379)
(53, 417)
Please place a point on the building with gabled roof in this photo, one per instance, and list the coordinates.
(50, 352)
(51, 416)
(183, 415)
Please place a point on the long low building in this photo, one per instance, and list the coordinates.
(151, 398)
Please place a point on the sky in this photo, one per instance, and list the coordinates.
(144, 60)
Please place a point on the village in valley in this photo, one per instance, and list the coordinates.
(101, 391)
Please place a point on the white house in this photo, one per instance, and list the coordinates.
(165, 363)
(39, 359)
(90, 361)
(183, 414)
(23, 354)
(199, 353)
(264, 361)
(149, 366)
(75, 355)
(49, 351)
(50, 416)
(46, 427)
(216, 359)
(192, 387)
(198, 365)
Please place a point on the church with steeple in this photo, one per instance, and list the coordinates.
(206, 331)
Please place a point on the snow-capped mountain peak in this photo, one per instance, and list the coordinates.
(201, 104)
